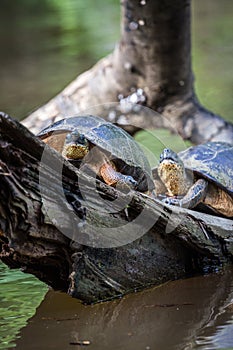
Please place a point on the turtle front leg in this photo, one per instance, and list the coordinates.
(112, 177)
(195, 195)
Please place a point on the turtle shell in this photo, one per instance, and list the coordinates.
(109, 138)
(213, 161)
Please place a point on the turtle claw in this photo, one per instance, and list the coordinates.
(129, 180)
(127, 183)
(171, 201)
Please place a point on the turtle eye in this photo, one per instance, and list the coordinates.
(68, 137)
(75, 136)
(82, 139)
(164, 154)
(167, 152)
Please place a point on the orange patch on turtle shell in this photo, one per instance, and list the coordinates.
(219, 200)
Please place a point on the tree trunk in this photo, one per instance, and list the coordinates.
(53, 225)
(150, 66)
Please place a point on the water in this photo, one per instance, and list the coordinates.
(195, 313)
(20, 294)
(44, 45)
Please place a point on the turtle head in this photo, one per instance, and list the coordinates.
(170, 156)
(172, 172)
(76, 146)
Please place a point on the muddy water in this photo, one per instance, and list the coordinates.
(195, 313)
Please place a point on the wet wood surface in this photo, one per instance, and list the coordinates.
(52, 225)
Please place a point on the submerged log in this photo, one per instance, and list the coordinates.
(81, 236)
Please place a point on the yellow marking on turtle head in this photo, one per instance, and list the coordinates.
(173, 177)
(75, 151)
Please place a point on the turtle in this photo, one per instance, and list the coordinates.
(201, 174)
(107, 150)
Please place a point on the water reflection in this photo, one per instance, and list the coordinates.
(20, 294)
(218, 333)
(188, 314)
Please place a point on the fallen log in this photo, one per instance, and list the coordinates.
(81, 236)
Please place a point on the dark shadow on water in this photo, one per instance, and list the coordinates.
(188, 314)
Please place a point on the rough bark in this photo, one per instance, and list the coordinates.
(36, 194)
(152, 66)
